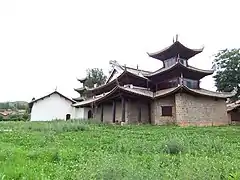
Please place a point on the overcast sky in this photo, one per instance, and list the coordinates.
(49, 43)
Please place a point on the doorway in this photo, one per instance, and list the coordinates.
(68, 116)
(90, 114)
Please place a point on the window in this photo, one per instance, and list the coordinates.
(166, 110)
(170, 62)
(191, 83)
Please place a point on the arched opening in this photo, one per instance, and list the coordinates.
(90, 114)
(68, 116)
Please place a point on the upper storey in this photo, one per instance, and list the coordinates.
(175, 50)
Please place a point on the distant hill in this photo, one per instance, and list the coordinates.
(14, 105)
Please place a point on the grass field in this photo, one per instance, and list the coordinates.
(61, 150)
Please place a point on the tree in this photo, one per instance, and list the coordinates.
(95, 76)
(227, 77)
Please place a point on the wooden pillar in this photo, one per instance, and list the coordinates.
(123, 109)
(139, 113)
(95, 110)
(149, 113)
(102, 113)
(114, 112)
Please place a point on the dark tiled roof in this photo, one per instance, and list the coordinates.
(54, 92)
(233, 106)
(173, 50)
(162, 70)
(147, 93)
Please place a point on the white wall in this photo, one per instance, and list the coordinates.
(54, 107)
(78, 113)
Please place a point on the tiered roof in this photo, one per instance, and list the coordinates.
(138, 91)
(173, 50)
(140, 79)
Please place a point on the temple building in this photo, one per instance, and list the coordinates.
(169, 95)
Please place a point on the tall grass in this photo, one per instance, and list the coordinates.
(83, 150)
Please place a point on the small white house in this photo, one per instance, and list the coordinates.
(55, 106)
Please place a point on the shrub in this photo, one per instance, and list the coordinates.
(56, 157)
(172, 147)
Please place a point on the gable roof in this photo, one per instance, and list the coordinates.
(54, 92)
(136, 71)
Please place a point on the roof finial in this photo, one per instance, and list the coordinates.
(176, 37)
(137, 66)
(173, 39)
(56, 88)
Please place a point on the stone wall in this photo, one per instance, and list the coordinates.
(200, 110)
(156, 109)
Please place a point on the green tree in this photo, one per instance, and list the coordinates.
(95, 76)
(227, 77)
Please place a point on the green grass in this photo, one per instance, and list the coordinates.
(73, 150)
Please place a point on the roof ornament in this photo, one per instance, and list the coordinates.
(176, 37)
(56, 88)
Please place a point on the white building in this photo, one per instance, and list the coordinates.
(55, 106)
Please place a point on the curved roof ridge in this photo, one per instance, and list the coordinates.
(203, 70)
(194, 51)
(180, 64)
(164, 49)
(210, 93)
(115, 80)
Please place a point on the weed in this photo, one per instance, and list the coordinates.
(172, 146)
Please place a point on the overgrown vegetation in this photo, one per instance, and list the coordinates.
(16, 117)
(77, 150)
(14, 105)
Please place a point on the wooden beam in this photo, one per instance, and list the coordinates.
(102, 113)
(123, 108)
(114, 112)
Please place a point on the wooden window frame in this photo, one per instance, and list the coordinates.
(167, 110)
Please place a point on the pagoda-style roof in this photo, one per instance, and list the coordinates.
(136, 71)
(179, 68)
(126, 76)
(173, 51)
(82, 80)
(78, 99)
(143, 92)
(138, 92)
(80, 90)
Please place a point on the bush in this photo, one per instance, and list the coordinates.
(172, 147)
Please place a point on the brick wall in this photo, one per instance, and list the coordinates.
(200, 110)
(156, 108)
